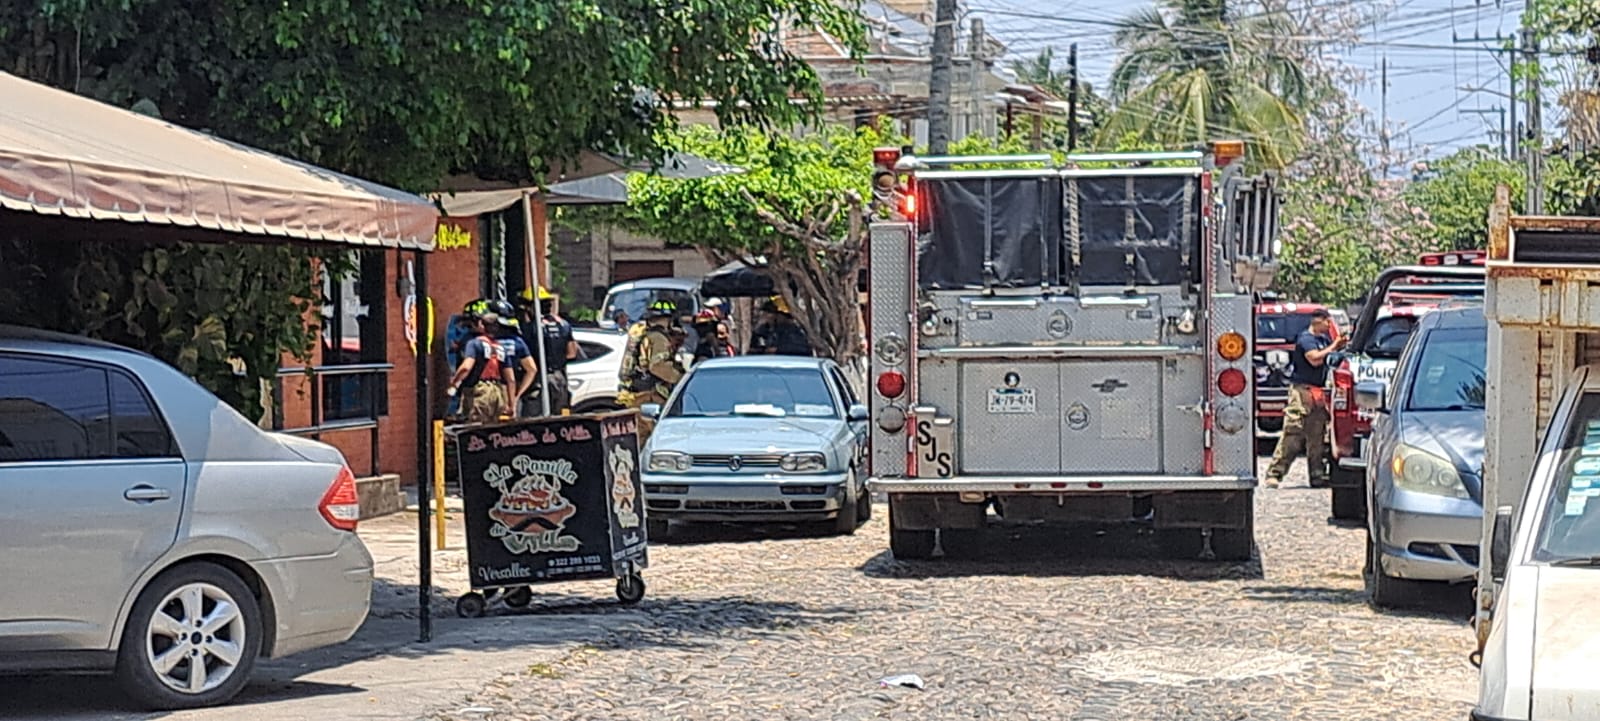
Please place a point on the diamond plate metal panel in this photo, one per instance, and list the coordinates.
(1013, 439)
(889, 303)
(1110, 416)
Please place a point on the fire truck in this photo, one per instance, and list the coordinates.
(1066, 343)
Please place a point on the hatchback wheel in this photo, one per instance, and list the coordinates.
(849, 518)
(191, 640)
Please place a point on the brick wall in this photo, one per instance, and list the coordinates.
(452, 281)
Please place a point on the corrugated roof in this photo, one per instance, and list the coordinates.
(68, 155)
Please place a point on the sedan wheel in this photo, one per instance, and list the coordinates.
(191, 640)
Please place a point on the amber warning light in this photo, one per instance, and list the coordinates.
(1227, 151)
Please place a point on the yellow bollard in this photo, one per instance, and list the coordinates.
(438, 484)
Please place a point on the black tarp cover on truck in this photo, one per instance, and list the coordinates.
(1011, 232)
(1005, 228)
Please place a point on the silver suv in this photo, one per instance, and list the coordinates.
(149, 529)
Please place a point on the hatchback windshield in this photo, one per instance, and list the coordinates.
(772, 392)
(1281, 328)
(634, 301)
(1450, 371)
(1570, 527)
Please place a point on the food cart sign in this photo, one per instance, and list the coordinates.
(538, 501)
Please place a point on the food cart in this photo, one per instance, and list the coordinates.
(551, 499)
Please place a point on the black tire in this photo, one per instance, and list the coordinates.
(1183, 544)
(910, 545)
(472, 605)
(846, 523)
(630, 589)
(657, 529)
(518, 597)
(1236, 544)
(1349, 504)
(864, 507)
(961, 542)
(137, 650)
(1388, 592)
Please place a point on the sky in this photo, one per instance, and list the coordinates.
(1437, 76)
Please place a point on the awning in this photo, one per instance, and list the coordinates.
(461, 197)
(67, 155)
(738, 280)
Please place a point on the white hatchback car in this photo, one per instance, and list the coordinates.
(593, 378)
(151, 530)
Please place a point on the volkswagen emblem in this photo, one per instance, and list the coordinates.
(735, 463)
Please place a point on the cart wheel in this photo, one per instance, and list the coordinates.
(471, 605)
(519, 597)
(630, 589)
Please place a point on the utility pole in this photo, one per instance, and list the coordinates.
(1511, 70)
(1535, 139)
(1072, 99)
(1383, 106)
(939, 72)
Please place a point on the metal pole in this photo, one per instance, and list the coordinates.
(1535, 149)
(1072, 99)
(424, 456)
(538, 305)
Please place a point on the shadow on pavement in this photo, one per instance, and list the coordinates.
(699, 534)
(1063, 551)
(555, 618)
(1305, 594)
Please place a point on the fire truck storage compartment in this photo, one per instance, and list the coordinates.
(1135, 229)
(1119, 319)
(990, 231)
(1075, 417)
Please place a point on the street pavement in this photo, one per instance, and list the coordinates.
(793, 624)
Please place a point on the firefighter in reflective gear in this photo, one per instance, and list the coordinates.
(482, 379)
(655, 368)
(630, 357)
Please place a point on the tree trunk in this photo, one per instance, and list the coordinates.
(939, 80)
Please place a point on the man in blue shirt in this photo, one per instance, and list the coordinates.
(1305, 418)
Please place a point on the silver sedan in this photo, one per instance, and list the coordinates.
(151, 530)
(759, 438)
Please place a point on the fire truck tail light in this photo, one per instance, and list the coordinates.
(1230, 346)
(1232, 382)
(891, 384)
(885, 157)
(908, 205)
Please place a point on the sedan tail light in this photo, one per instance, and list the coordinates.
(340, 506)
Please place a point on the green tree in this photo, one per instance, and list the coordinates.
(798, 206)
(405, 92)
(1044, 71)
(1455, 193)
(1189, 73)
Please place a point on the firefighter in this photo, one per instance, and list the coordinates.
(514, 352)
(559, 349)
(655, 366)
(1305, 418)
(778, 333)
(482, 380)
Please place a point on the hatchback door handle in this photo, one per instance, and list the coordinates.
(146, 493)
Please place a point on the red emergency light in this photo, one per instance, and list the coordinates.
(908, 205)
(885, 157)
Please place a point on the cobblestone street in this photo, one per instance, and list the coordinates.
(748, 625)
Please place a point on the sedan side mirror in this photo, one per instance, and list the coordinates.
(650, 410)
(857, 413)
(1369, 395)
(1500, 544)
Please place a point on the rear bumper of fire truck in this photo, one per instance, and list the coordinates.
(1061, 484)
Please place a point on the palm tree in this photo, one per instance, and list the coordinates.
(1190, 74)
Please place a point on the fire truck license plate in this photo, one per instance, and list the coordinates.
(1012, 400)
